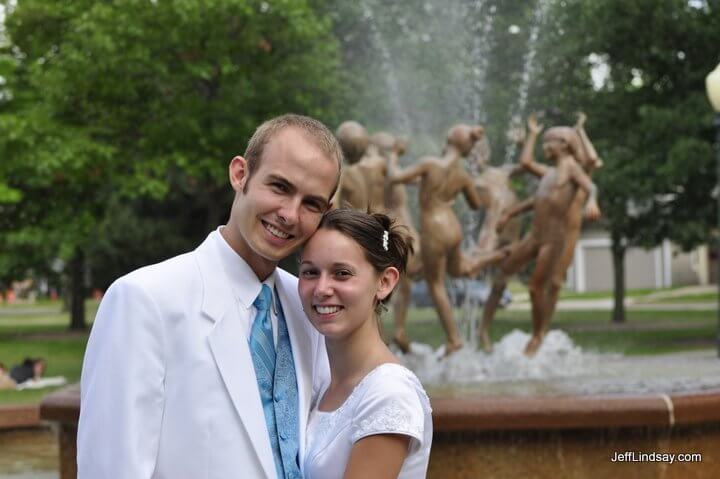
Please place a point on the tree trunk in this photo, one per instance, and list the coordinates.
(77, 291)
(618, 256)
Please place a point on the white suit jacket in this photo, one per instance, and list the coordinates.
(168, 388)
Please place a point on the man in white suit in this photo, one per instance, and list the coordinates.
(172, 382)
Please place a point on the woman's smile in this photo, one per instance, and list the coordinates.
(337, 284)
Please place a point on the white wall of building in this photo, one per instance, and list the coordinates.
(661, 267)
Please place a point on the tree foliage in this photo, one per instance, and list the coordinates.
(648, 113)
(120, 117)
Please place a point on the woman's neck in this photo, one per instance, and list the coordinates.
(352, 357)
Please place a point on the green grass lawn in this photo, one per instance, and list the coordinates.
(646, 332)
(687, 298)
(517, 287)
(630, 293)
(42, 330)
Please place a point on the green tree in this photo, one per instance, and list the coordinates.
(648, 115)
(119, 108)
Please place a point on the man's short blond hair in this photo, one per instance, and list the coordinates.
(314, 130)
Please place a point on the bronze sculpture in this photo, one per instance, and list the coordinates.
(562, 193)
(364, 185)
(441, 180)
(352, 191)
(396, 205)
(497, 194)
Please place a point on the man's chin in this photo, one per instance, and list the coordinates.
(276, 254)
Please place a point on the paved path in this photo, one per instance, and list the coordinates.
(650, 302)
(607, 305)
(31, 311)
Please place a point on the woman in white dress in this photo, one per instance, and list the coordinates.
(374, 418)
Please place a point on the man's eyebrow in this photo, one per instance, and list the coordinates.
(319, 199)
(281, 179)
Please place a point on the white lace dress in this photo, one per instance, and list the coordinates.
(390, 399)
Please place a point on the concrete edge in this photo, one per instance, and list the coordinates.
(501, 413)
(19, 416)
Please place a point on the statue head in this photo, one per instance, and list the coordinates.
(463, 137)
(353, 139)
(566, 140)
(562, 140)
(388, 144)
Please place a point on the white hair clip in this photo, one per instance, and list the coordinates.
(386, 237)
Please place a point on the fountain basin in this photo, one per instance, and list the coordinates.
(19, 416)
(574, 435)
(500, 413)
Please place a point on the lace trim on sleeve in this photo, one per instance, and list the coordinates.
(392, 418)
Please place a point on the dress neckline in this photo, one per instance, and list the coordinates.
(356, 387)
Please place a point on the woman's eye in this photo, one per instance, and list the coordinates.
(308, 273)
(343, 274)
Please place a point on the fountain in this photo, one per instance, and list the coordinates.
(502, 414)
(565, 412)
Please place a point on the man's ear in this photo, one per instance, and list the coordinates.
(388, 280)
(239, 172)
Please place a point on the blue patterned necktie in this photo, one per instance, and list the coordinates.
(261, 334)
(262, 349)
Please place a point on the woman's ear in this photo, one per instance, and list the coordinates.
(388, 280)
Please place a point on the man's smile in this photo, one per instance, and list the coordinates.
(275, 231)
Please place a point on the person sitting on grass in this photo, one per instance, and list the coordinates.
(6, 382)
(31, 368)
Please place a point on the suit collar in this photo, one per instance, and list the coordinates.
(242, 278)
(226, 277)
(229, 344)
(232, 356)
(228, 341)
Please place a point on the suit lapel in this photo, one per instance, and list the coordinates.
(231, 353)
(303, 347)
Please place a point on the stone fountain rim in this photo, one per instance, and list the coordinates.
(610, 411)
(505, 413)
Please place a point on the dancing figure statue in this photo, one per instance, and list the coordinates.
(497, 195)
(564, 191)
(352, 191)
(441, 181)
(396, 206)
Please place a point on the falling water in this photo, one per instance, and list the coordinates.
(560, 367)
(481, 28)
(464, 31)
(471, 221)
(539, 13)
(401, 119)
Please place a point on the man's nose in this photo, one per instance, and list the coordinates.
(289, 212)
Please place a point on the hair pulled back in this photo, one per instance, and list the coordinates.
(384, 242)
